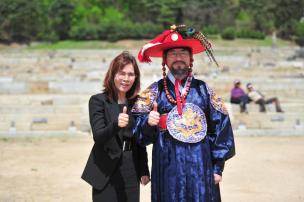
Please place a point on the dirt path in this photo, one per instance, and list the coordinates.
(48, 169)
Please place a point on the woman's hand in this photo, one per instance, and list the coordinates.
(144, 180)
(123, 118)
(217, 178)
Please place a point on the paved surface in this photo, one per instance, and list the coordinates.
(48, 169)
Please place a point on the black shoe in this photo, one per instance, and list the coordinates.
(244, 111)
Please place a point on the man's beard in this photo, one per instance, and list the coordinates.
(179, 72)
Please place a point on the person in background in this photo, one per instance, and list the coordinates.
(238, 96)
(116, 163)
(260, 99)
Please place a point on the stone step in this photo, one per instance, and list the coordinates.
(60, 124)
(257, 124)
(90, 87)
(287, 107)
(267, 121)
(55, 133)
(270, 132)
(49, 116)
(265, 117)
(268, 114)
(25, 109)
(28, 100)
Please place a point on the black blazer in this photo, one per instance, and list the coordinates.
(108, 139)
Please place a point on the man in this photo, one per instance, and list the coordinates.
(238, 96)
(185, 121)
(260, 99)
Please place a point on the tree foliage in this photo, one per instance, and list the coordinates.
(50, 20)
(60, 15)
(20, 20)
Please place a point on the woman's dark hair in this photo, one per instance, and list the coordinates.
(118, 63)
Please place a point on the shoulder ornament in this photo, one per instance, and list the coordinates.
(145, 99)
(216, 101)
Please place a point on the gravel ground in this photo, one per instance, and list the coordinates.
(48, 169)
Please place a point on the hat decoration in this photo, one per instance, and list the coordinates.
(177, 36)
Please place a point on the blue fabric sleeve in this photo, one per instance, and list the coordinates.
(220, 133)
(143, 132)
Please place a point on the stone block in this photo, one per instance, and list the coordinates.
(65, 100)
(39, 120)
(74, 87)
(14, 87)
(39, 87)
(95, 75)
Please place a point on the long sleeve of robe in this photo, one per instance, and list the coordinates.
(183, 172)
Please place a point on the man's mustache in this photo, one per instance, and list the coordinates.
(179, 62)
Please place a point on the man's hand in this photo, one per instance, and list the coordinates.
(154, 116)
(123, 118)
(217, 178)
(144, 180)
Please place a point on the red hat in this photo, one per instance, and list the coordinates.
(173, 38)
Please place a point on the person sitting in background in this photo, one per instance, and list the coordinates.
(260, 99)
(238, 96)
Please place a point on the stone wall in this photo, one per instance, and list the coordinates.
(49, 90)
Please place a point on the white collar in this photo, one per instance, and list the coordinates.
(182, 89)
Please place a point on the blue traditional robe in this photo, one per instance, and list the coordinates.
(183, 172)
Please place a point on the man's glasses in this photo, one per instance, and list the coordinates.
(174, 54)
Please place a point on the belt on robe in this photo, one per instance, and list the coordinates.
(127, 145)
(163, 122)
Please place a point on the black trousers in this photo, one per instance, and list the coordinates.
(243, 100)
(263, 102)
(123, 185)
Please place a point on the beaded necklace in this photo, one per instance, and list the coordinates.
(169, 97)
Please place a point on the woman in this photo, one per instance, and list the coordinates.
(238, 96)
(116, 164)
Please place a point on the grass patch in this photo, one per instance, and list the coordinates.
(74, 45)
(137, 44)
(267, 42)
(4, 139)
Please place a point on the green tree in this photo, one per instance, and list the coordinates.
(20, 20)
(61, 13)
(269, 15)
(286, 13)
(23, 21)
(86, 21)
(261, 13)
(299, 33)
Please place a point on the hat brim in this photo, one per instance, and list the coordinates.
(157, 50)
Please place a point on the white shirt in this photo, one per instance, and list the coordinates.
(182, 89)
(254, 95)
